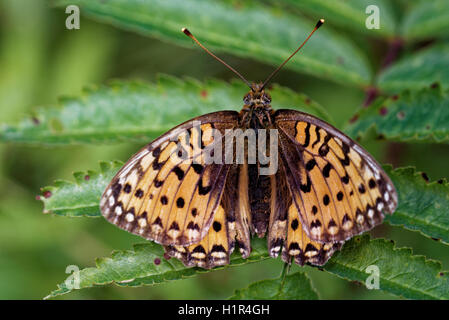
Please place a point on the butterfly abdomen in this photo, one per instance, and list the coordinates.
(259, 200)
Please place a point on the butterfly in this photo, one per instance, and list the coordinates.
(200, 191)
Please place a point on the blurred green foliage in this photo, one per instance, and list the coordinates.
(40, 60)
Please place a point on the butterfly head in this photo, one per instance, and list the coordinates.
(257, 97)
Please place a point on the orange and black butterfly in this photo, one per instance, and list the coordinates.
(325, 189)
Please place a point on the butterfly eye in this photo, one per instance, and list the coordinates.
(247, 99)
(266, 99)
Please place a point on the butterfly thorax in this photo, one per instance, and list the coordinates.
(256, 112)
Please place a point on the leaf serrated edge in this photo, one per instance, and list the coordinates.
(407, 95)
(434, 264)
(238, 261)
(79, 179)
(275, 297)
(392, 245)
(418, 175)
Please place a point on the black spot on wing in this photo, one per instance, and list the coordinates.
(340, 196)
(198, 168)
(326, 200)
(310, 164)
(218, 248)
(362, 188)
(203, 190)
(295, 224)
(326, 170)
(324, 148)
(156, 152)
(139, 193)
(158, 183)
(116, 188)
(217, 226)
(158, 222)
(180, 202)
(193, 226)
(174, 226)
(306, 187)
(199, 249)
(345, 161)
(331, 224)
(179, 172)
(315, 224)
(157, 165)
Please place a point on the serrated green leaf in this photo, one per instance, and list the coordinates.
(351, 14)
(427, 19)
(81, 197)
(223, 25)
(423, 206)
(296, 286)
(146, 265)
(400, 272)
(139, 111)
(419, 70)
(421, 116)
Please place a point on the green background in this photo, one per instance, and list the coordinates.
(41, 60)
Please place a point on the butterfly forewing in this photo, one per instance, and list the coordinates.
(168, 192)
(338, 189)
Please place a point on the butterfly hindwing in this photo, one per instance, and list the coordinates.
(338, 189)
(168, 192)
(213, 250)
(299, 247)
(230, 226)
(236, 204)
(286, 230)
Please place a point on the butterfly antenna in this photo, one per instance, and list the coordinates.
(319, 23)
(191, 36)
